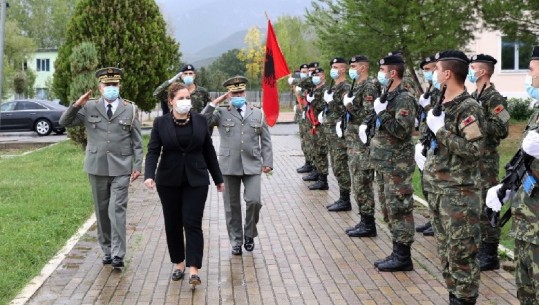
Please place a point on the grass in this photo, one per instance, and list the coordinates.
(507, 149)
(44, 199)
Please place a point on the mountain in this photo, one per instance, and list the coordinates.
(234, 41)
(200, 24)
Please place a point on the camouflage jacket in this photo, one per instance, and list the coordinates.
(199, 98)
(423, 128)
(316, 106)
(394, 126)
(525, 209)
(455, 166)
(496, 116)
(335, 109)
(306, 83)
(365, 93)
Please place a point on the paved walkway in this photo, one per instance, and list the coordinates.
(302, 256)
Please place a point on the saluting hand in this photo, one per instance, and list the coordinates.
(149, 183)
(83, 99)
(220, 187)
(221, 99)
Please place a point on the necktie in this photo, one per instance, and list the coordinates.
(109, 111)
(239, 111)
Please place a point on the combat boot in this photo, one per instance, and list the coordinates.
(488, 258)
(390, 257)
(313, 176)
(428, 232)
(423, 227)
(321, 184)
(343, 204)
(306, 168)
(367, 227)
(401, 261)
(453, 300)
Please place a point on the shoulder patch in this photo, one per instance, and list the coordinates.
(501, 113)
(470, 127)
(369, 98)
(498, 109)
(403, 112)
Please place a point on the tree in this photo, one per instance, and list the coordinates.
(253, 55)
(131, 34)
(229, 63)
(45, 21)
(518, 20)
(349, 27)
(17, 50)
(83, 61)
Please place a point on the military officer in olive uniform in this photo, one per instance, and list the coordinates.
(245, 153)
(199, 95)
(113, 157)
(496, 128)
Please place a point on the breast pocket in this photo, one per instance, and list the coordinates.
(257, 127)
(227, 126)
(125, 123)
(93, 121)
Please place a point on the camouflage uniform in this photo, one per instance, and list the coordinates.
(337, 146)
(424, 129)
(316, 134)
(199, 98)
(452, 179)
(304, 125)
(361, 170)
(496, 128)
(392, 154)
(409, 84)
(525, 210)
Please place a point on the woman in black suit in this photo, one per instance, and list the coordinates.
(182, 178)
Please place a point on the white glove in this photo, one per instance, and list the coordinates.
(170, 81)
(416, 123)
(379, 106)
(532, 104)
(298, 89)
(492, 201)
(310, 98)
(338, 129)
(363, 133)
(303, 115)
(290, 80)
(418, 156)
(328, 97)
(530, 144)
(321, 117)
(295, 108)
(347, 100)
(434, 122)
(424, 102)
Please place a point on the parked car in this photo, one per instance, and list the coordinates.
(33, 115)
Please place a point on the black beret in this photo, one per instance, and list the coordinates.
(303, 66)
(535, 53)
(109, 75)
(314, 64)
(318, 70)
(358, 58)
(426, 61)
(452, 55)
(187, 67)
(337, 60)
(483, 58)
(391, 60)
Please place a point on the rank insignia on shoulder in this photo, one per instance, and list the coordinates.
(403, 112)
(470, 128)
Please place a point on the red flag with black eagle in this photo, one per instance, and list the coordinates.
(275, 68)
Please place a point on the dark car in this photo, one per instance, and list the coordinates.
(34, 115)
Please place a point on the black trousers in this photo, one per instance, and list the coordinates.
(183, 208)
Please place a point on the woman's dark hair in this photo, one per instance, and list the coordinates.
(173, 89)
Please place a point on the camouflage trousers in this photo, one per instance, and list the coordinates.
(527, 272)
(362, 178)
(303, 130)
(456, 225)
(489, 174)
(398, 203)
(380, 185)
(338, 157)
(318, 142)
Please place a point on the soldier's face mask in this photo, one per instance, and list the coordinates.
(188, 79)
(382, 78)
(428, 75)
(472, 76)
(532, 91)
(334, 73)
(435, 82)
(353, 73)
(316, 80)
(111, 92)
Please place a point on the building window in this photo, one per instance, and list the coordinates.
(43, 65)
(515, 55)
(42, 93)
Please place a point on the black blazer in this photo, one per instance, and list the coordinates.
(179, 164)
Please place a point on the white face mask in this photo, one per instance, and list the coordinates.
(182, 106)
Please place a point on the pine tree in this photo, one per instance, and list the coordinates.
(130, 34)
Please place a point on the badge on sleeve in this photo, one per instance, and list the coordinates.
(403, 112)
(369, 98)
(470, 127)
(501, 113)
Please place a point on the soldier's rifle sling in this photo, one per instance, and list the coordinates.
(331, 86)
(427, 93)
(351, 92)
(436, 111)
(481, 92)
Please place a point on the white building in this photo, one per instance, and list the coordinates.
(42, 63)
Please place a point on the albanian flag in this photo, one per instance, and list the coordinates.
(274, 68)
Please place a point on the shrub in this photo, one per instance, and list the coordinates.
(519, 108)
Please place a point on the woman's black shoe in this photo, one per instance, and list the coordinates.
(194, 280)
(178, 274)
